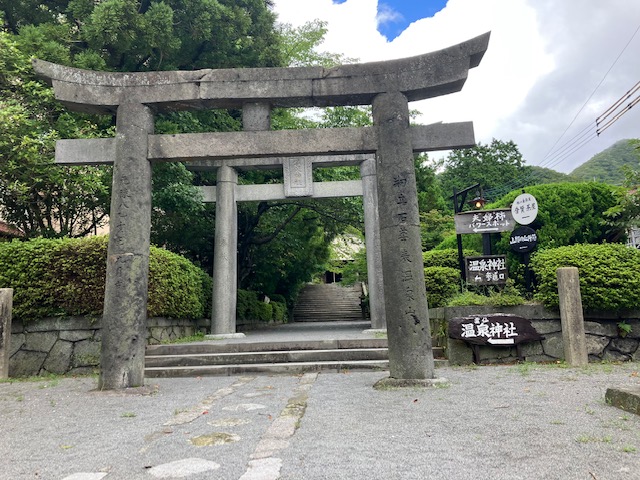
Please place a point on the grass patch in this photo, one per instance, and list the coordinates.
(196, 337)
(590, 439)
(53, 379)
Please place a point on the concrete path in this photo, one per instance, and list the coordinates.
(494, 422)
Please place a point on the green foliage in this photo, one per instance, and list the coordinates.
(177, 288)
(505, 297)
(441, 284)
(607, 166)
(250, 307)
(490, 165)
(299, 45)
(39, 198)
(445, 258)
(65, 277)
(609, 275)
(541, 175)
(626, 211)
(131, 35)
(568, 213)
(356, 270)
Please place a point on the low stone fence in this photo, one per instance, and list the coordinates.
(603, 337)
(72, 344)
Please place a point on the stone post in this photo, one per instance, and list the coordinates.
(125, 303)
(6, 305)
(571, 317)
(408, 331)
(372, 243)
(255, 117)
(225, 261)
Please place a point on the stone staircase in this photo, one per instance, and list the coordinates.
(307, 348)
(210, 358)
(328, 302)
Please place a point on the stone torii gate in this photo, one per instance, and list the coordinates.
(297, 183)
(135, 97)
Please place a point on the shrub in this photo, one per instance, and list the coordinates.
(250, 307)
(609, 275)
(441, 283)
(177, 288)
(507, 296)
(59, 277)
(445, 258)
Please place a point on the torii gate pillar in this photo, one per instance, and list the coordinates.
(124, 332)
(406, 308)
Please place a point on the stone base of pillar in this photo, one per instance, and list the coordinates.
(224, 336)
(392, 383)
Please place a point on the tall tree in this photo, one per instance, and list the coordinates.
(492, 165)
(37, 197)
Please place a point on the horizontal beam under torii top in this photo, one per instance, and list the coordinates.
(211, 150)
(423, 76)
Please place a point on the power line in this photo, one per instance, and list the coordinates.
(594, 91)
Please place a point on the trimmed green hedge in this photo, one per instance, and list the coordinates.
(250, 307)
(65, 277)
(445, 258)
(441, 284)
(609, 275)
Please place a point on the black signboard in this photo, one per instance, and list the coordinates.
(498, 329)
(523, 240)
(486, 270)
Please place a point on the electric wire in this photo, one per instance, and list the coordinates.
(555, 156)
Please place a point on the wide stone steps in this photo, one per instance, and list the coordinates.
(328, 302)
(208, 358)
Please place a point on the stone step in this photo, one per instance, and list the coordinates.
(289, 356)
(328, 302)
(271, 368)
(214, 347)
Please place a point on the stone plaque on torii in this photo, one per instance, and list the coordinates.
(135, 97)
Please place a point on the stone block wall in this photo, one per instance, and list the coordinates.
(604, 341)
(72, 344)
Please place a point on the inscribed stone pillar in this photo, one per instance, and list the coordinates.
(372, 243)
(6, 305)
(571, 317)
(225, 263)
(408, 331)
(125, 304)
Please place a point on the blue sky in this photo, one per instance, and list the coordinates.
(396, 15)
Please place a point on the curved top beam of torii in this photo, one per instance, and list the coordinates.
(423, 76)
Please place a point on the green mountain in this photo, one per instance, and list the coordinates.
(540, 175)
(606, 166)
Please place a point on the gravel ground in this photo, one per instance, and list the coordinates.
(492, 422)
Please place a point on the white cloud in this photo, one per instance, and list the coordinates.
(544, 60)
(387, 14)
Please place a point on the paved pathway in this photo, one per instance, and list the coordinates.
(499, 422)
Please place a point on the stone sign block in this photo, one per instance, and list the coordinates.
(499, 329)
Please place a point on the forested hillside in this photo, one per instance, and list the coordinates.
(606, 166)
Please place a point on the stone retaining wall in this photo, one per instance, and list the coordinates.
(72, 344)
(604, 341)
